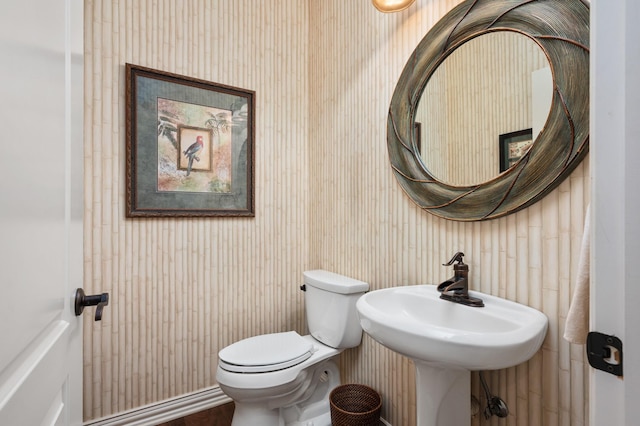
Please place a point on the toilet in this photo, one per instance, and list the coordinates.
(284, 379)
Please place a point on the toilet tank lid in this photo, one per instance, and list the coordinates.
(336, 283)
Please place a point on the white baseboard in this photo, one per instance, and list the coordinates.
(167, 410)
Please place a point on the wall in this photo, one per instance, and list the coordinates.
(367, 227)
(323, 73)
(181, 289)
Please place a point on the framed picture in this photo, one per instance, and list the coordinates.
(190, 146)
(513, 146)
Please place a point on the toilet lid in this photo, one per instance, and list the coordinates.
(265, 353)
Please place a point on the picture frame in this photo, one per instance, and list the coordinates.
(189, 146)
(513, 146)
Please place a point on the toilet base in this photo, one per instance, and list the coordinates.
(322, 420)
(250, 415)
(310, 408)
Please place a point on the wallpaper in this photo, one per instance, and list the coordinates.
(325, 197)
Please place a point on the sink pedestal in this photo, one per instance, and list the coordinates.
(443, 395)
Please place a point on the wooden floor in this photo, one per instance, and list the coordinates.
(217, 416)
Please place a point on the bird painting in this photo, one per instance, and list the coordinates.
(192, 151)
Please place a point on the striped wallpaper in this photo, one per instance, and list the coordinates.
(324, 73)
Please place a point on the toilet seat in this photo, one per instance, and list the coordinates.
(266, 353)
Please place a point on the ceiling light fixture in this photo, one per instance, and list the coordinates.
(388, 6)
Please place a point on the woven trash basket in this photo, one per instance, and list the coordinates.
(355, 405)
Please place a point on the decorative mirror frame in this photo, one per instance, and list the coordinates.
(561, 29)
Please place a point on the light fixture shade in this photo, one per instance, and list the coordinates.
(388, 6)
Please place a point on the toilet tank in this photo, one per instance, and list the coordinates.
(330, 304)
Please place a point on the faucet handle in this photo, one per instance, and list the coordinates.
(456, 258)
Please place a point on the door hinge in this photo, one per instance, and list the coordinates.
(604, 352)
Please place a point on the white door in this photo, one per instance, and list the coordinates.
(41, 67)
(615, 156)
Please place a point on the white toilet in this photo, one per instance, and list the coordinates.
(285, 379)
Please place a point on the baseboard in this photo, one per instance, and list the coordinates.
(167, 410)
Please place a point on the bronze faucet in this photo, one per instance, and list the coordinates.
(456, 288)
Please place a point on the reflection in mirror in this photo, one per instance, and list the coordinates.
(495, 84)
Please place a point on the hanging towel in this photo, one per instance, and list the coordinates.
(577, 324)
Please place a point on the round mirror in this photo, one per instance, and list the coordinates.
(534, 137)
(494, 85)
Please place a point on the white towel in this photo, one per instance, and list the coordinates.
(576, 326)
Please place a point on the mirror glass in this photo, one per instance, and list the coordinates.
(496, 84)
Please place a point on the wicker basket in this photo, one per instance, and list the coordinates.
(355, 405)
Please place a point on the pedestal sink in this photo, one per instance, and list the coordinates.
(447, 341)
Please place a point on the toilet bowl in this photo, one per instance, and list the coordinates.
(284, 378)
(303, 387)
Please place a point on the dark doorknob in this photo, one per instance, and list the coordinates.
(97, 300)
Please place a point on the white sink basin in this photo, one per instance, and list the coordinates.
(415, 322)
(447, 340)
